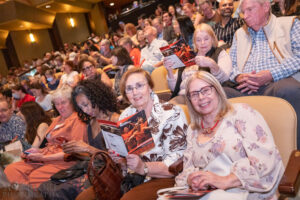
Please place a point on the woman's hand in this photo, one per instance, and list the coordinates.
(202, 179)
(35, 157)
(135, 163)
(117, 159)
(204, 61)
(168, 63)
(34, 150)
(76, 147)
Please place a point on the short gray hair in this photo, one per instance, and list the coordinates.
(125, 40)
(105, 41)
(64, 92)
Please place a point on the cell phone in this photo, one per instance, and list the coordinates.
(62, 139)
(26, 153)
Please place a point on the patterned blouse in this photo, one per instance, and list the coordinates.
(168, 127)
(14, 127)
(246, 139)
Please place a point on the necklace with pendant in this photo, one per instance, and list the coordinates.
(207, 131)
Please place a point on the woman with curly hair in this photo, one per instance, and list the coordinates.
(37, 123)
(94, 102)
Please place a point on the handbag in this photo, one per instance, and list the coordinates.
(130, 181)
(70, 173)
(105, 176)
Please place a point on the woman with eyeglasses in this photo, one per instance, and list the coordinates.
(88, 67)
(168, 128)
(209, 57)
(230, 147)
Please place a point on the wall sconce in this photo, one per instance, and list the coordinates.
(72, 22)
(31, 37)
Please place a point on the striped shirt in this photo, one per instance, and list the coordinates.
(226, 33)
(262, 58)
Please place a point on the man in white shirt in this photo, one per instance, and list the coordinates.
(151, 56)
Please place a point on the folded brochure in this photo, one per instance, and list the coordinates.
(128, 136)
(180, 53)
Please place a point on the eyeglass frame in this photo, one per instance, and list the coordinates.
(138, 87)
(87, 68)
(200, 91)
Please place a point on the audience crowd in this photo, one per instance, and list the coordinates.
(55, 104)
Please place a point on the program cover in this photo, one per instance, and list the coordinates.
(180, 53)
(181, 193)
(130, 135)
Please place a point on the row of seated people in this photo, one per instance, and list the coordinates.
(217, 128)
(249, 83)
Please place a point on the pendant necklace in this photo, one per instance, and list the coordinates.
(207, 131)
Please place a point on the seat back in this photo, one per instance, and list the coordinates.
(281, 118)
(159, 77)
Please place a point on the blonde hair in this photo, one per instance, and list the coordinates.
(207, 28)
(223, 106)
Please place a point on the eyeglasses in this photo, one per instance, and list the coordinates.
(87, 68)
(205, 91)
(139, 86)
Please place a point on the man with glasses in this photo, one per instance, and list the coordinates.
(12, 126)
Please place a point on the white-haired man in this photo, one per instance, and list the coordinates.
(266, 56)
(151, 56)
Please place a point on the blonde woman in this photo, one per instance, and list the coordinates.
(209, 57)
(229, 146)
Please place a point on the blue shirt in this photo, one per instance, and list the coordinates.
(262, 58)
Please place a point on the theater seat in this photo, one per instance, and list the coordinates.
(161, 88)
(282, 120)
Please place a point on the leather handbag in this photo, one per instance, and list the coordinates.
(105, 176)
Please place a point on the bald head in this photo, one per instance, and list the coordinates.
(226, 8)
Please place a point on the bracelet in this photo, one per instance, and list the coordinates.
(146, 169)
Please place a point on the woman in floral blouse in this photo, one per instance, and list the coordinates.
(235, 131)
(168, 128)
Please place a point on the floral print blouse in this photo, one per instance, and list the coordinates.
(246, 139)
(14, 127)
(168, 128)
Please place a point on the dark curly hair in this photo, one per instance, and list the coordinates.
(100, 95)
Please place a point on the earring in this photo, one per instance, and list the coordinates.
(152, 94)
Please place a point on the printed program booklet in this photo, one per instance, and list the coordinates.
(129, 136)
(180, 53)
(180, 193)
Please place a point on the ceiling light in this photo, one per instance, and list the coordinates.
(72, 22)
(48, 6)
(112, 4)
(31, 37)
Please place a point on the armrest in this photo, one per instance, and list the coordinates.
(176, 167)
(76, 156)
(289, 184)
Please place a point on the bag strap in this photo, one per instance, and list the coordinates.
(178, 82)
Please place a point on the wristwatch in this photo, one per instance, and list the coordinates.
(146, 169)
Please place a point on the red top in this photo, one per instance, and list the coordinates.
(25, 99)
(135, 55)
